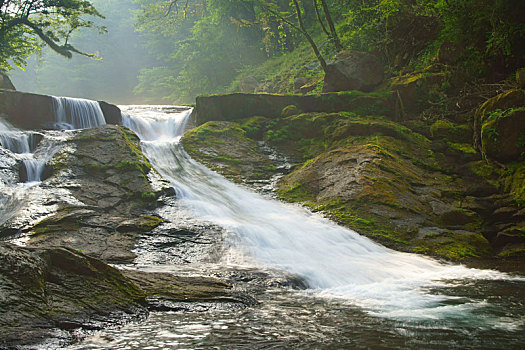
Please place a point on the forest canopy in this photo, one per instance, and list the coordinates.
(184, 48)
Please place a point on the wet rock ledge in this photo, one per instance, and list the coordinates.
(102, 194)
(52, 294)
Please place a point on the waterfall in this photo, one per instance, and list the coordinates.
(333, 260)
(23, 144)
(76, 113)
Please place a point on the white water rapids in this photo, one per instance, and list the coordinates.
(265, 233)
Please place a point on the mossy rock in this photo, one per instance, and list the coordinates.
(514, 182)
(513, 251)
(503, 135)
(141, 224)
(238, 106)
(457, 217)
(514, 98)
(413, 91)
(224, 147)
(444, 129)
(290, 110)
(254, 127)
(455, 245)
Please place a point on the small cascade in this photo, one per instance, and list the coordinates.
(15, 140)
(77, 113)
(34, 169)
(23, 144)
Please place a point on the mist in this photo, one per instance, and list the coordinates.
(111, 78)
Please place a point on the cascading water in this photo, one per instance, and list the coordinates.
(334, 261)
(23, 144)
(76, 113)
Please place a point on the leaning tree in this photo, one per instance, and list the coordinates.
(27, 25)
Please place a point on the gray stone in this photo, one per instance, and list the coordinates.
(248, 84)
(353, 70)
(5, 82)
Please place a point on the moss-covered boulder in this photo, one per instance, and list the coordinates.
(449, 131)
(503, 135)
(224, 147)
(353, 70)
(108, 176)
(48, 289)
(495, 107)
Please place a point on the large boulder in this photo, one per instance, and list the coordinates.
(27, 111)
(503, 135)
(114, 185)
(498, 119)
(47, 289)
(353, 70)
(248, 84)
(5, 82)
(50, 294)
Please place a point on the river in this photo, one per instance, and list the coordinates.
(319, 285)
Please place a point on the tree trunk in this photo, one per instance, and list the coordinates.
(331, 25)
(308, 37)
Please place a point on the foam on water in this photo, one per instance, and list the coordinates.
(333, 260)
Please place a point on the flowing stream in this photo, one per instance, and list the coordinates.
(357, 293)
(319, 285)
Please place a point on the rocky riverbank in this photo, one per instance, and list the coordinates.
(98, 197)
(450, 188)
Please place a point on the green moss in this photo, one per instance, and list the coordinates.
(514, 182)
(420, 250)
(148, 222)
(254, 127)
(295, 193)
(513, 252)
(483, 169)
(444, 129)
(140, 166)
(462, 147)
(149, 196)
(290, 110)
(456, 245)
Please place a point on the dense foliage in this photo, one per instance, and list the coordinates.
(27, 24)
(207, 46)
